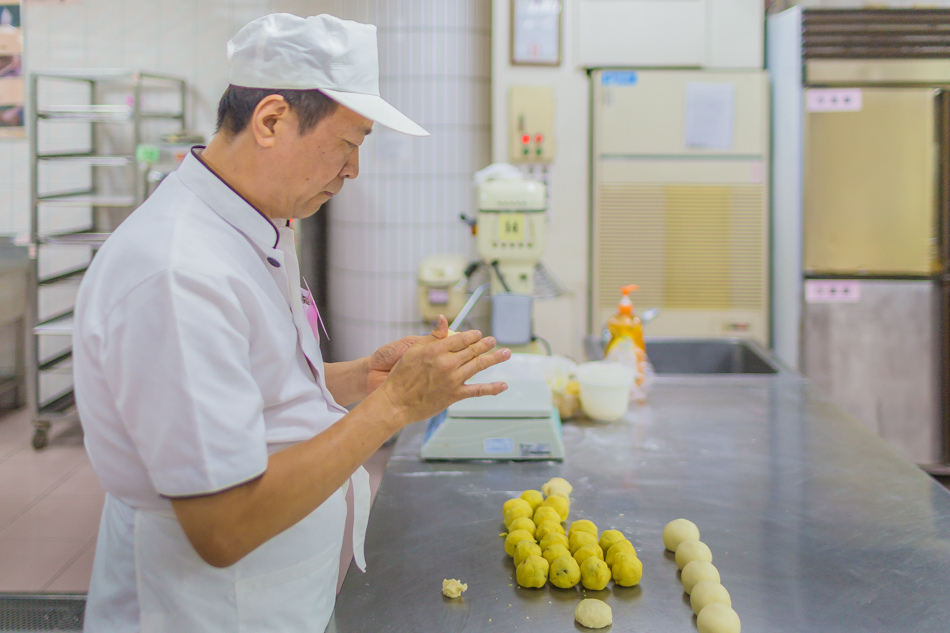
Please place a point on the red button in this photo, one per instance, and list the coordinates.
(538, 138)
(526, 139)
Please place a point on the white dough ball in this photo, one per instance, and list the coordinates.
(718, 618)
(594, 614)
(677, 531)
(697, 571)
(706, 592)
(690, 550)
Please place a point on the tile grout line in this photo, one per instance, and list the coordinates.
(42, 495)
(69, 563)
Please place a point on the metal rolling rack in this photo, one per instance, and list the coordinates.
(70, 222)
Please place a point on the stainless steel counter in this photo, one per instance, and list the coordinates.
(815, 524)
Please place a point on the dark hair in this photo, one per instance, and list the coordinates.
(237, 105)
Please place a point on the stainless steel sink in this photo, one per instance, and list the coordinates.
(700, 356)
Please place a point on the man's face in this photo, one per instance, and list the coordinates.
(314, 165)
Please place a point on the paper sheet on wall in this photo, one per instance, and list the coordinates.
(710, 115)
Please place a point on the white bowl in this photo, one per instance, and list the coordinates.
(605, 389)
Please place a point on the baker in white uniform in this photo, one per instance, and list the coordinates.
(209, 415)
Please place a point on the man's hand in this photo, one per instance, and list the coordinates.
(381, 362)
(431, 373)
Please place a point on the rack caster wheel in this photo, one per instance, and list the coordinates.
(40, 438)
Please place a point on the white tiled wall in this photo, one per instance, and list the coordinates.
(176, 37)
(434, 63)
(405, 205)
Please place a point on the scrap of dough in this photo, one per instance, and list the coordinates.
(690, 550)
(557, 483)
(593, 614)
(706, 592)
(697, 571)
(453, 588)
(718, 618)
(677, 531)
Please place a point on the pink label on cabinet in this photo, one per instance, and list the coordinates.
(832, 291)
(833, 100)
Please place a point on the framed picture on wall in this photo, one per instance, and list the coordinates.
(536, 32)
(11, 72)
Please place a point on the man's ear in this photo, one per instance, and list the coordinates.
(270, 115)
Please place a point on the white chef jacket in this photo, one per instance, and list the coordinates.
(193, 361)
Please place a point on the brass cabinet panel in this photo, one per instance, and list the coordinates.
(870, 187)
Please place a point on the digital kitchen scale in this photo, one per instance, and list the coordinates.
(520, 423)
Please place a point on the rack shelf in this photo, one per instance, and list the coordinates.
(86, 158)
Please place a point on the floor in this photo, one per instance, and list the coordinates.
(50, 502)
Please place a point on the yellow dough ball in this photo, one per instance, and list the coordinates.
(533, 497)
(522, 523)
(706, 592)
(627, 570)
(546, 527)
(524, 549)
(577, 540)
(532, 572)
(593, 614)
(583, 525)
(718, 618)
(690, 550)
(553, 537)
(555, 551)
(616, 548)
(677, 531)
(515, 509)
(516, 537)
(586, 551)
(557, 484)
(559, 503)
(565, 572)
(697, 571)
(594, 574)
(609, 537)
(546, 513)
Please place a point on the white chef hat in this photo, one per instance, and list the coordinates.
(337, 57)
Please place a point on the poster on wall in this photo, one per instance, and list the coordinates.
(11, 72)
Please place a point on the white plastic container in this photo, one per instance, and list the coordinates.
(605, 389)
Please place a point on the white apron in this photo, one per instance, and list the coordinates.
(287, 585)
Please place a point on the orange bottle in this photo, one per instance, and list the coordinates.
(626, 324)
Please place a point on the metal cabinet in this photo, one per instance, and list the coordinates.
(84, 131)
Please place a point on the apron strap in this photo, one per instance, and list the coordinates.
(361, 504)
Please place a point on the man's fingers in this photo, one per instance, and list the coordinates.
(483, 389)
(461, 340)
(484, 361)
(441, 329)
